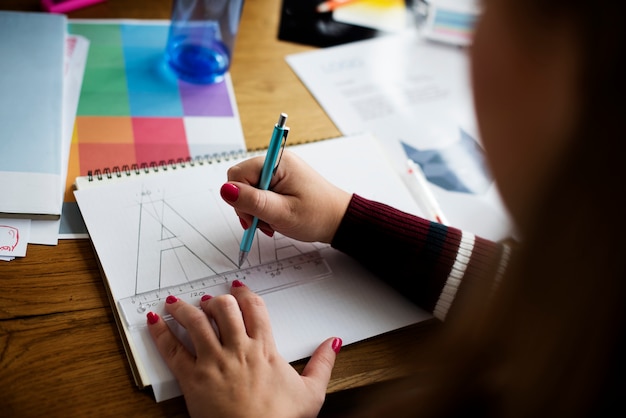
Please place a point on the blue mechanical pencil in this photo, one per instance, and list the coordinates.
(277, 143)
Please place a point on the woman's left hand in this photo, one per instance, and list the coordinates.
(237, 371)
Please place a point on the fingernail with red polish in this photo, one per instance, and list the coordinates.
(237, 283)
(229, 192)
(336, 345)
(152, 318)
(243, 223)
(205, 297)
(268, 232)
(171, 299)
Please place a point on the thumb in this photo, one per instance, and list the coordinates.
(321, 364)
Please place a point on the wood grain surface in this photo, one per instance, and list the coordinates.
(60, 352)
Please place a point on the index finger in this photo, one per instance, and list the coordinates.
(247, 171)
(197, 324)
(254, 311)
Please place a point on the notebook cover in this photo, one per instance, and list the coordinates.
(31, 114)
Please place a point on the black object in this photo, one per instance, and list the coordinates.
(301, 23)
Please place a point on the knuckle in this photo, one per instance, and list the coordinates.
(174, 351)
(160, 333)
(231, 173)
(260, 201)
(254, 301)
(225, 302)
(196, 319)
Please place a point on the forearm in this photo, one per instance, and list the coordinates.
(429, 263)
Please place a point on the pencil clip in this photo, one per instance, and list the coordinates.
(282, 148)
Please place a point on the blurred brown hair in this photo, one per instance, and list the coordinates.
(551, 341)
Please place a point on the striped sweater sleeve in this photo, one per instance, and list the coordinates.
(428, 262)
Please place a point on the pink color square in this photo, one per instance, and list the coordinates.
(64, 6)
(95, 156)
(159, 139)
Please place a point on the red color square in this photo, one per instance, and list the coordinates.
(101, 156)
(159, 139)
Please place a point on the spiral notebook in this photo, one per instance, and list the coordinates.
(164, 228)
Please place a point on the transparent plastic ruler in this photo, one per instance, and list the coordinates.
(262, 279)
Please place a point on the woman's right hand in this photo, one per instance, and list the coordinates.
(300, 204)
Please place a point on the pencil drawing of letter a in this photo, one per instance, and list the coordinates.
(171, 249)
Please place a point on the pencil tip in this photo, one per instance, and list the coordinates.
(242, 257)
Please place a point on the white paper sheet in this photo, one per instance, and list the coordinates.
(405, 89)
(14, 237)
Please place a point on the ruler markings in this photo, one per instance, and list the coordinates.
(262, 279)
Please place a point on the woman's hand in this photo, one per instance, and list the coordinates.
(237, 371)
(301, 204)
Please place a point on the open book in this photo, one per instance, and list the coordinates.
(168, 231)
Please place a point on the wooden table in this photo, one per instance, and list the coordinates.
(60, 352)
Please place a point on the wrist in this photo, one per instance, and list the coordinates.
(341, 204)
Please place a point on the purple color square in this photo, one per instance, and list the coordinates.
(205, 100)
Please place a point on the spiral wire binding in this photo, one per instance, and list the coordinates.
(163, 165)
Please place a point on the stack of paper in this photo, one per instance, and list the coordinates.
(42, 70)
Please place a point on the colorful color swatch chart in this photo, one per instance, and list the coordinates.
(132, 110)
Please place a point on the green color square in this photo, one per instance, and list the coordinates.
(105, 56)
(98, 34)
(104, 93)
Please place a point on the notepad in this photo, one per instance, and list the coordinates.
(31, 114)
(167, 225)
